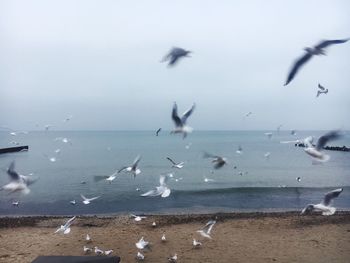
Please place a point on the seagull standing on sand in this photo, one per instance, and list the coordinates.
(173, 258)
(321, 90)
(108, 252)
(87, 201)
(133, 168)
(206, 230)
(174, 55)
(140, 256)
(98, 251)
(218, 161)
(161, 190)
(176, 165)
(196, 244)
(87, 250)
(180, 123)
(325, 206)
(65, 229)
(19, 183)
(163, 238)
(310, 52)
(316, 152)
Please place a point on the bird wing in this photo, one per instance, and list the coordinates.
(209, 155)
(326, 43)
(84, 198)
(98, 178)
(151, 193)
(171, 161)
(210, 227)
(136, 161)
(320, 87)
(187, 114)
(122, 169)
(176, 117)
(332, 135)
(94, 198)
(331, 195)
(69, 222)
(12, 173)
(297, 64)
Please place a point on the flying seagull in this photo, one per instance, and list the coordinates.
(133, 168)
(180, 123)
(18, 183)
(137, 218)
(316, 50)
(239, 150)
(142, 244)
(316, 152)
(158, 131)
(321, 90)
(218, 161)
(108, 178)
(87, 201)
(206, 230)
(65, 229)
(268, 134)
(161, 190)
(325, 206)
(174, 55)
(176, 165)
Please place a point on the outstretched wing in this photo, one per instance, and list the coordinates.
(12, 173)
(326, 43)
(321, 87)
(297, 64)
(187, 114)
(209, 155)
(98, 178)
(122, 169)
(331, 195)
(332, 135)
(176, 117)
(136, 161)
(171, 161)
(69, 222)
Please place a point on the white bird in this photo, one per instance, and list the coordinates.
(196, 244)
(267, 155)
(239, 150)
(137, 218)
(268, 134)
(161, 190)
(87, 201)
(176, 165)
(174, 55)
(65, 229)
(108, 178)
(310, 52)
(142, 244)
(321, 90)
(57, 151)
(73, 202)
(180, 123)
(206, 230)
(325, 206)
(98, 251)
(154, 224)
(298, 179)
(316, 152)
(16, 203)
(87, 250)
(18, 182)
(163, 238)
(140, 256)
(207, 180)
(108, 252)
(133, 168)
(173, 258)
(88, 238)
(218, 161)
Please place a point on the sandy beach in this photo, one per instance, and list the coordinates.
(237, 237)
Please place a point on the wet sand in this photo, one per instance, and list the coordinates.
(237, 237)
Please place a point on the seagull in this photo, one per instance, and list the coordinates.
(298, 179)
(316, 152)
(154, 224)
(87, 250)
(161, 190)
(47, 127)
(158, 131)
(88, 238)
(68, 118)
(321, 90)
(205, 231)
(142, 244)
(16, 203)
(163, 238)
(196, 244)
(218, 161)
(316, 50)
(306, 141)
(207, 180)
(73, 202)
(140, 256)
(108, 252)
(133, 168)
(180, 123)
(173, 258)
(248, 114)
(268, 134)
(239, 150)
(137, 218)
(18, 183)
(267, 155)
(174, 55)
(176, 165)
(293, 132)
(325, 206)
(65, 229)
(87, 201)
(99, 251)
(108, 178)
(57, 151)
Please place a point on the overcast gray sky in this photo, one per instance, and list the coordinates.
(99, 61)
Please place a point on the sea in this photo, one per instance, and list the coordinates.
(263, 177)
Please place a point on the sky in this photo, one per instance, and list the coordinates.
(99, 61)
